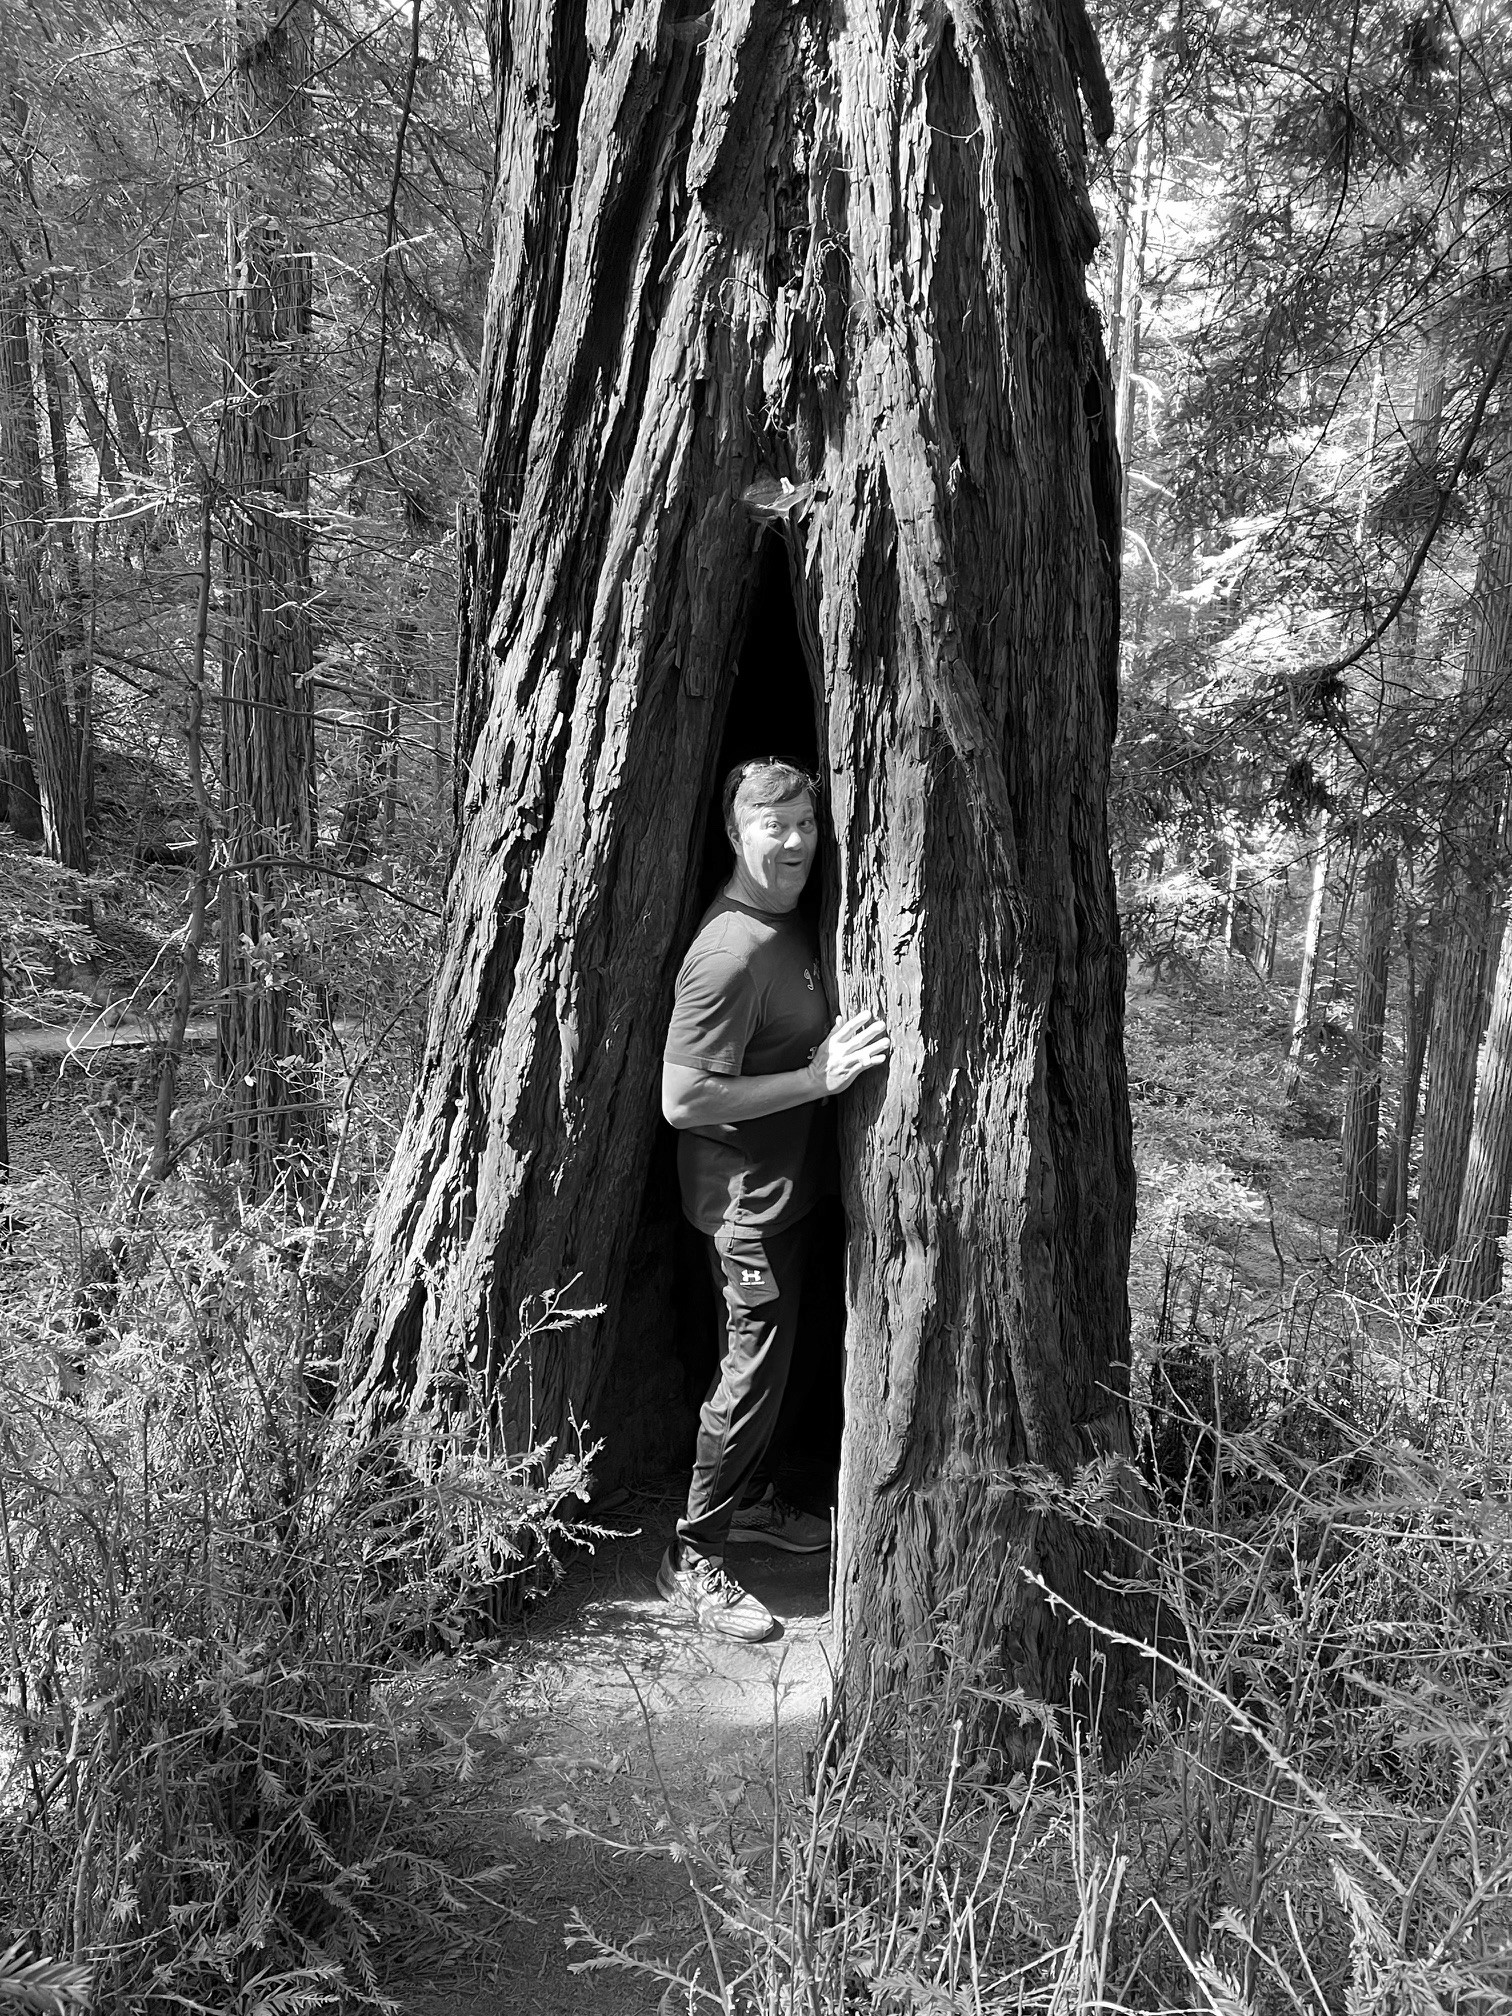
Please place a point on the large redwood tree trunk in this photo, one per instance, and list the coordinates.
(822, 266)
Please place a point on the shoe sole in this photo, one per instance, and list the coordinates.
(748, 1537)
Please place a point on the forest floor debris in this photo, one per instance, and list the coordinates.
(586, 1748)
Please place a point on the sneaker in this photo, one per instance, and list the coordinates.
(714, 1602)
(769, 1521)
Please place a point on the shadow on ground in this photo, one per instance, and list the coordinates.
(592, 1744)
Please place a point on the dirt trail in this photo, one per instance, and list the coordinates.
(94, 1033)
(611, 1719)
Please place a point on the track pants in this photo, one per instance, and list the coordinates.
(759, 1282)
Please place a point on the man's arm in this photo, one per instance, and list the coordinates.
(694, 1098)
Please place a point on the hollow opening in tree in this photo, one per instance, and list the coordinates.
(667, 1349)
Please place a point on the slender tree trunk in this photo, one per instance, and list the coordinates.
(4, 1083)
(1419, 998)
(661, 348)
(1459, 1018)
(23, 807)
(199, 892)
(1231, 908)
(1270, 930)
(1312, 937)
(78, 672)
(1471, 850)
(267, 727)
(365, 799)
(39, 600)
(1362, 1215)
(123, 412)
(1488, 1168)
(97, 427)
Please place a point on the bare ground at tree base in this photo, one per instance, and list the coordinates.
(585, 1751)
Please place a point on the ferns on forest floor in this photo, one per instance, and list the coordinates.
(1318, 1816)
(208, 1792)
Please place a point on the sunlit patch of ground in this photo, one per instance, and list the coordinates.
(587, 1751)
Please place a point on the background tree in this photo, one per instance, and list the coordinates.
(268, 747)
(332, 486)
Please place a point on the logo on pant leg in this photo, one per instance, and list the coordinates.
(749, 1275)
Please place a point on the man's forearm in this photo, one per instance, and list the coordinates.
(707, 1099)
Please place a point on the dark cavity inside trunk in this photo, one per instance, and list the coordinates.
(667, 1348)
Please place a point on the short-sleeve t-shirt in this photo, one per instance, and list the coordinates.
(750, 1001)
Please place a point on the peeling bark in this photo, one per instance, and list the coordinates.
(844, 248)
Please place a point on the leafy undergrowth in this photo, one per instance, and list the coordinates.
(211, 1789)
(1317, 1816)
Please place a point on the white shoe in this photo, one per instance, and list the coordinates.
(714, 1602)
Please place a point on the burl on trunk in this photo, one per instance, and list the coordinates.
(823, 267)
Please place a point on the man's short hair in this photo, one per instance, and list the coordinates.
(764, 780)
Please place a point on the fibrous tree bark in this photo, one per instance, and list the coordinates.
(819, 268)
(267, 724)
(1417, 1008)
(199, 888)
(38, 594)
(1470, 842)
(18, 781)
(1488, 1165)
(1361, 1131)
(1459, 1017)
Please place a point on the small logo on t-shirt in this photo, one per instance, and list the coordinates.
(808, 979)
(749, 1274)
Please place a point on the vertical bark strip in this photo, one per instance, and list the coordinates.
(267, 726)
(1361, 1132)
(1459, 1017)
(1421, 991)
(23, 807)
(1488, 1166)
(1312, 938)
(199, 888)
(39, 597)
(1470, 849)
(845, 248)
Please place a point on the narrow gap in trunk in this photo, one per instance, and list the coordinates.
(667, 1347)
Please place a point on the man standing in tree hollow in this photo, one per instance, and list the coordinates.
(749, 1053)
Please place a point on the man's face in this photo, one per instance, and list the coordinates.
(775, 846)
